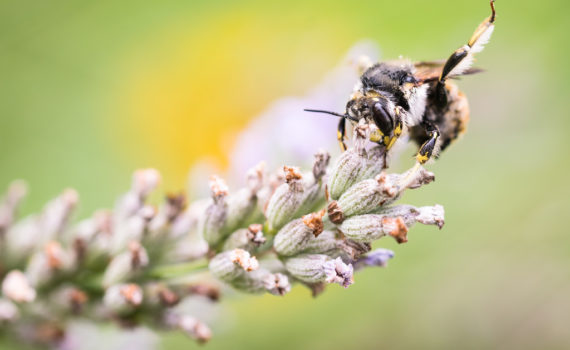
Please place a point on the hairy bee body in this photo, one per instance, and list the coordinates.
(418, 99)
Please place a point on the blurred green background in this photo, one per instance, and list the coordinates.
(90, 91)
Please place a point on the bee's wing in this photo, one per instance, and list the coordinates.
(428, 71)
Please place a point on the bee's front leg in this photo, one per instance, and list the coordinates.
(427, 149)
(340, 134)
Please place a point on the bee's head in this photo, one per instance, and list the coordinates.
(373, 107)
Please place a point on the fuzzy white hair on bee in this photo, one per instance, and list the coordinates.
(415, 99)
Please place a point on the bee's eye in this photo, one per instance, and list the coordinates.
(382, 118)
(408, 79)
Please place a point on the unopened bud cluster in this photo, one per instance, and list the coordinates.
(136, 263)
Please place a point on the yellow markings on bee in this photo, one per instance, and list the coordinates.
(386, 140)
(391, 142)
(340, 141)
(398, 130)
(422, 158)
(376, 135)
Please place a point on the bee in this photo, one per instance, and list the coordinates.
(400, 97)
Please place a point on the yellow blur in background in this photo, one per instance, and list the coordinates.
(90, 91)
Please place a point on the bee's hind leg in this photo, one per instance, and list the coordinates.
(429, 146)
(460, 60)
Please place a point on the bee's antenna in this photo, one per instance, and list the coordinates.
(346, 116)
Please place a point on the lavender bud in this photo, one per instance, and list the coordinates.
(123, 298)
(171, 210)
(313, 194)
(248, 239)
(159, 295)
(212, 223)
(370, 227)
(375, 163)
(315, 268)
(17, 288)
(286, 200)
(277, 284)
(46, 263)
(356, 164)
(131, 229)
(228, 266)
(56, 214)
(188, 248)
(345, 172)
(9, 204)
(191, 326)
(145, 181)
(293, 237)
(367, 195)
(329, 244)
(429, 215)
(125, 265)
(241, 205)
(378, 257)
(261, 281)
(8, 311)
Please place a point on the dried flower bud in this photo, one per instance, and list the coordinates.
(232, 264)
(77, 299)
(286, 200)
(159, 295)
(293, 237)
(209, 291)
(430, 215)
(248, 239)
(123, 298)
(192, 327)
(125, 265)
(378, 257)
(8, 311)
(218, 187)
(315, 268)
(320, 165)
(16, 287)
(255, 178)
(277, 284)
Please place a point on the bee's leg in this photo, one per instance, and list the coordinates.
(462, 58)
(398, 129)
(426, 150)
(340, 133)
